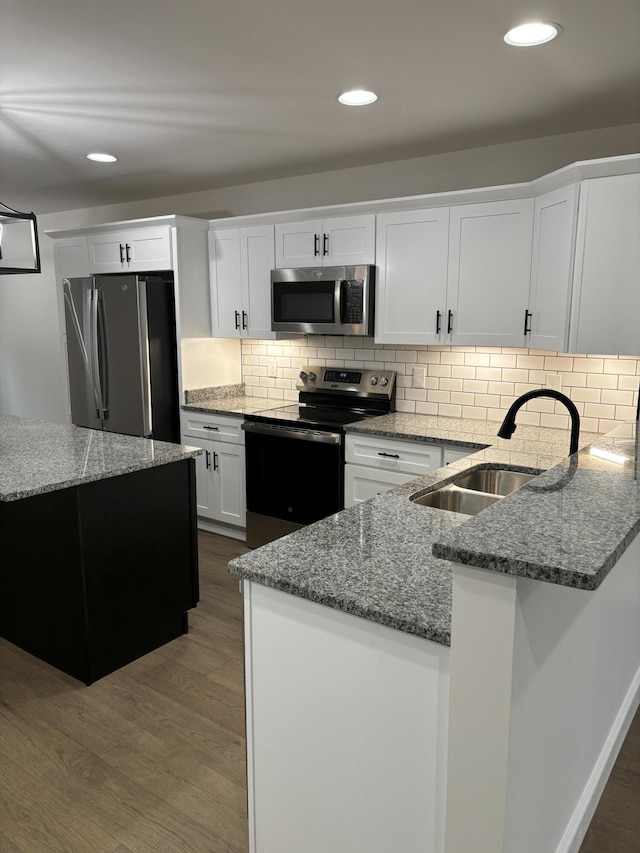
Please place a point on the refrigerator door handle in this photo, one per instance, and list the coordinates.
(102, 366)
(75, 322)
(95, 350)
(145, 361)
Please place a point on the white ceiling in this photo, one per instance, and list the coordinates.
(198, 94)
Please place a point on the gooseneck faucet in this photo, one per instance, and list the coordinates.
(509, 423)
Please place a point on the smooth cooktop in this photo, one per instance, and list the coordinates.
(317, 416)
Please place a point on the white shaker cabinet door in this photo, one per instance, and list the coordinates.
(299, 244)
(337, 241)
(257, 259)
(140, 250)
(489, 273)
(554, 238)
(226, 283)
(204, 486)
(606, 304)
(229, 483)
(349, 241)
(412, 276)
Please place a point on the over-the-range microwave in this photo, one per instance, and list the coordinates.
(323, 300)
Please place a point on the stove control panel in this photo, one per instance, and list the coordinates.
(380, 383)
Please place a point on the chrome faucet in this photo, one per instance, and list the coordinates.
(509, 423)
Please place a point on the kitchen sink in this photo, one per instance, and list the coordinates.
(494, 481)
(457, 500)
(473, 491)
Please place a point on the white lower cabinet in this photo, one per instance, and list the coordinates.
(376, 464)
(220, 469)
(362, 483)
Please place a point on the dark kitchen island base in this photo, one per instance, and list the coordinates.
(96, 575)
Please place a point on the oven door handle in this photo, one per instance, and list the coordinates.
(298, 433)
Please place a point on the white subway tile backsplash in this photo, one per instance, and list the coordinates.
(602, 380)
(620, 366)
(461, 381)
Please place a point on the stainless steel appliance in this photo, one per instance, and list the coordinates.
(295, 454)
(121, 354)
(323, 300)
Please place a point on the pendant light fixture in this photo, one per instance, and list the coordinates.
(19, 249)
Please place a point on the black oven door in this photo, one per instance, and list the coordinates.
(294, 475)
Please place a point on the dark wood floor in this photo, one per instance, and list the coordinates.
(151, 758)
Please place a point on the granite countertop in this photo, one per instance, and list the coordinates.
(235, 405)
(37, 456)
(228, 400)
(383, 559)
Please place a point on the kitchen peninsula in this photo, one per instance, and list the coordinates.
(99, 552)
(479, 700)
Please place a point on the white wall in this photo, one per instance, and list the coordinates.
(32, 372)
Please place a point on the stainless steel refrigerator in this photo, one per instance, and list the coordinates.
(121, 354)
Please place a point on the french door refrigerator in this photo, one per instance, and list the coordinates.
(121, 354)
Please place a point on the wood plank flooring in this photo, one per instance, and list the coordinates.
(151, 758)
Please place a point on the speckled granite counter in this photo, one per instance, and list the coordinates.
(568, 526)
(228, 400)
(380, 560)
(38, 457)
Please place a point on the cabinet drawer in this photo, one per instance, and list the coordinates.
(407, 457)
(362, 483)
(219, 427)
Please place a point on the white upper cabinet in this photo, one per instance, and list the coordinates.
(411, 255)
(489, 273)
(606, 300)
(554, 237)
(339, 241)
(138, 250)
(240, 262)
(72, 257)
(455, 275)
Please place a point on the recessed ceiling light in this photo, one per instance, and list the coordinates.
(535, 32)
(101, 158)
(357, 98)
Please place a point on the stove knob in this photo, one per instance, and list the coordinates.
(384, 381)
(312, 375)
(373, 380)
(303, 375)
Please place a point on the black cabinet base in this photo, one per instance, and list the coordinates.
(95, 576)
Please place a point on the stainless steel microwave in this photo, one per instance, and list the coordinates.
(323, 300)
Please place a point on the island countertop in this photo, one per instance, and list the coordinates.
(382, 559)
(38, 456)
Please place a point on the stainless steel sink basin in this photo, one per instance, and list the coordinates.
(457, 500)
(473, 491)
(494, 481)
